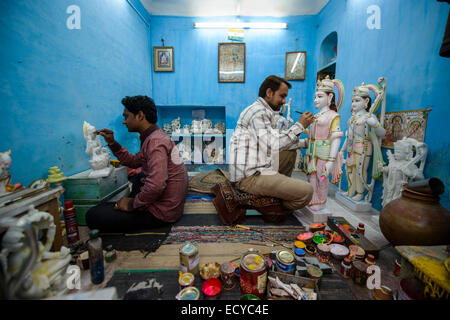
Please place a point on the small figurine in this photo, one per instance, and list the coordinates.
(167, 128)
(196, 127)
(403, 167)
(186, 129)
(5, 176)
(220, 127)
(100, 156)
(176, 126)
(206, 125)
(185, 151)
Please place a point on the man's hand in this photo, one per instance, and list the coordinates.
(124, 204)
(107, 134)
(306, 119)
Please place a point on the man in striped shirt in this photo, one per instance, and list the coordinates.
(261, 158)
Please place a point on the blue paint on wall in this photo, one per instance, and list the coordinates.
(405, 51)
(54, 78)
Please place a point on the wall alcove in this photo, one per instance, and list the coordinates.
(328, 56)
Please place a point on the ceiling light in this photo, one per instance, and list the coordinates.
(241, 25)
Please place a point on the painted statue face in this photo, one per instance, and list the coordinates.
(358, 103)
(322, 99)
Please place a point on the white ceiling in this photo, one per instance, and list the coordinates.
(269, 8)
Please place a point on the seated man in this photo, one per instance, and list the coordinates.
(159, 191)
(258, 164)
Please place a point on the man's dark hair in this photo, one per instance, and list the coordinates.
(141, 103)
(272, 82)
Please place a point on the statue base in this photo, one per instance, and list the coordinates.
(316, 216)
(357, 206)
(105, 172)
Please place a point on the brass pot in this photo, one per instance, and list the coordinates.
(416, 218)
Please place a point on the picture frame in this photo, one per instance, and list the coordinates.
(163, 59)
(231, 67)
(295, 68)
(401, 124)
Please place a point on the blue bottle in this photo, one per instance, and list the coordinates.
(96, 257)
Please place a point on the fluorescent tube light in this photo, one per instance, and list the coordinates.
(241, 25)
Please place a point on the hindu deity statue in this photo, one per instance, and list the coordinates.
(100, 156)
(405, 165)
(29, 269)
(324, 136)
(362, 140)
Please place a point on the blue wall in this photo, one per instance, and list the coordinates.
(195, 80)
(405, 51)
(53, 78)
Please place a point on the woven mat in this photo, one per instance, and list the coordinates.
(212, 234)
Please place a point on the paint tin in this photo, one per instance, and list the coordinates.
(323, 252)
(338, 251)
(300, 244)
(253, 274)
(359, 273)
(346, 268)
(186, 280)
(189, 258)
(356, 252)
(227, 270)
(299, 253)
(306, 237)
(285, 261)
(211, 289)
(189, 293)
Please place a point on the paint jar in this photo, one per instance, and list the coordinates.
(186, 280)
(360, 229)
(95, 250)
(356, 252)
(346, 268)
(323, 252)
(189, 293)
(211, 289)
(189, 258)
(70, 220)
(285, 261)
(359, 273)
(300, 244)
(253, 273)
(299, 253)
(370, 259)
(227, 270)
(397, 267)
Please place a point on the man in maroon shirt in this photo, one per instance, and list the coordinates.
(159, 193)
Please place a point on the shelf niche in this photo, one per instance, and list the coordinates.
(328, 56)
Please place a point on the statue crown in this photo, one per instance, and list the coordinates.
(362, 91)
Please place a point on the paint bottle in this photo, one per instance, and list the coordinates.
(70, 220)
(360, 229)
(96, 257)
(346, 268)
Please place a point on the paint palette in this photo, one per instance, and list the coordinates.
(346, 230)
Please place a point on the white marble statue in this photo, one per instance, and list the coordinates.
(196, 127)
(100, 156)
(5, 176)
(46, 276)
(176, 126)
(405, 165)
(363, 140)
(207, 126)
(185, 150)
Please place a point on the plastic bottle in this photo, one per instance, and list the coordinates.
(96, 257)
(70, 220)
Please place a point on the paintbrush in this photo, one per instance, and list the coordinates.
(262, 233)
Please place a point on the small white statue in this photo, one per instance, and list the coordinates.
(196, 127)
(220, 127)
(186, 129)
(209, 152)
(5, 176)
(167, 128)
(206, 126)
(185, 151)
(176, 126)
(404, 167)
(47, 277)
(100, 156)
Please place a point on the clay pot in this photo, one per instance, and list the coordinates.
(416, 218)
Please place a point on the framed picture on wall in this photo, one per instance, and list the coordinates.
(295, 65)
(231, 62)
(163, 59)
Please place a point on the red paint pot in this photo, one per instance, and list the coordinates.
(306, 237)
(253, 274)
(211, 288)
(411, 289)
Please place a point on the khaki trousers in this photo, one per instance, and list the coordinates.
(294, 193)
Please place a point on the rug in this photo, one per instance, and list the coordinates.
(203, 182)
(213, 234)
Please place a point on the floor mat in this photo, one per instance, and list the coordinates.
(213, 234)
